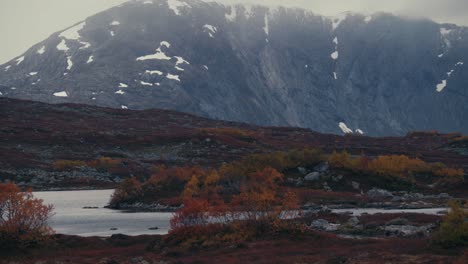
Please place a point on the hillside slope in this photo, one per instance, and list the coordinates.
(66, 145)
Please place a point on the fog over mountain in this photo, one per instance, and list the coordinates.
(40, 18)
(377, 74)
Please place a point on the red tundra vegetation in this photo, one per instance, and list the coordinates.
(23, 218)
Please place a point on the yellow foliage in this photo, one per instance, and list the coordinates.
(68, 164)
(192, 187)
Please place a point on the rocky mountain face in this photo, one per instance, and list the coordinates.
(378, 75)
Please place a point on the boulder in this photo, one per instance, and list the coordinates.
(322, 167)
(313, 176)
(302, 170)
(379, 193)
(324, 225)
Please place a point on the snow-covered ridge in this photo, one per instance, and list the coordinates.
(73, 34)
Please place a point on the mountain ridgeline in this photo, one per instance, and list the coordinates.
(377, 75)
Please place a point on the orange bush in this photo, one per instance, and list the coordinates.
(129, 191)
(449, 172)
(23, 218)
(394, 165)
(68, 164)
(401, 166)
(105, 163)
(194, 213)
(259, 201)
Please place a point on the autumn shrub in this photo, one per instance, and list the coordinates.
(169, 182)
(105, 163)
(460, 140)
(128, 192)
(260, 204)
(453, 232)
(196, 212)
(165, 183)
(62, 165)
(23, 219)
(399, 166)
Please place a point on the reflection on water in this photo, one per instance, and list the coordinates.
(70, 218)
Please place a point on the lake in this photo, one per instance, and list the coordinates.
(70, 218)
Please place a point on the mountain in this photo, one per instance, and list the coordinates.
(377, 75)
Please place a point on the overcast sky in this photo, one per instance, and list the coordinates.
(26, 22)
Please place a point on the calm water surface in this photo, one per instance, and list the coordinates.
(70, 218)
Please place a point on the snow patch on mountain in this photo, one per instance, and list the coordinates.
(69, 63)
(61, 94)
(345, 128)
(154, 72)
(181, 60)
(90, 59)
(41, 50)
(266, 28)
(159, 55)
(7, 67)
(62, 46)
(211, 30)
(335, 40)
(73, 32)
(173, 77)
(248, 11)
(33, 73)
(335, 55)
(120, 92)
(175, 6)
(444, 32)
(115, 23)
(441, 86)
(337, 20)
(232, 15)
(123, 85)
(19, 60)
(146, 83)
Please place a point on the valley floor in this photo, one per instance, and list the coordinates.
(312, 248)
